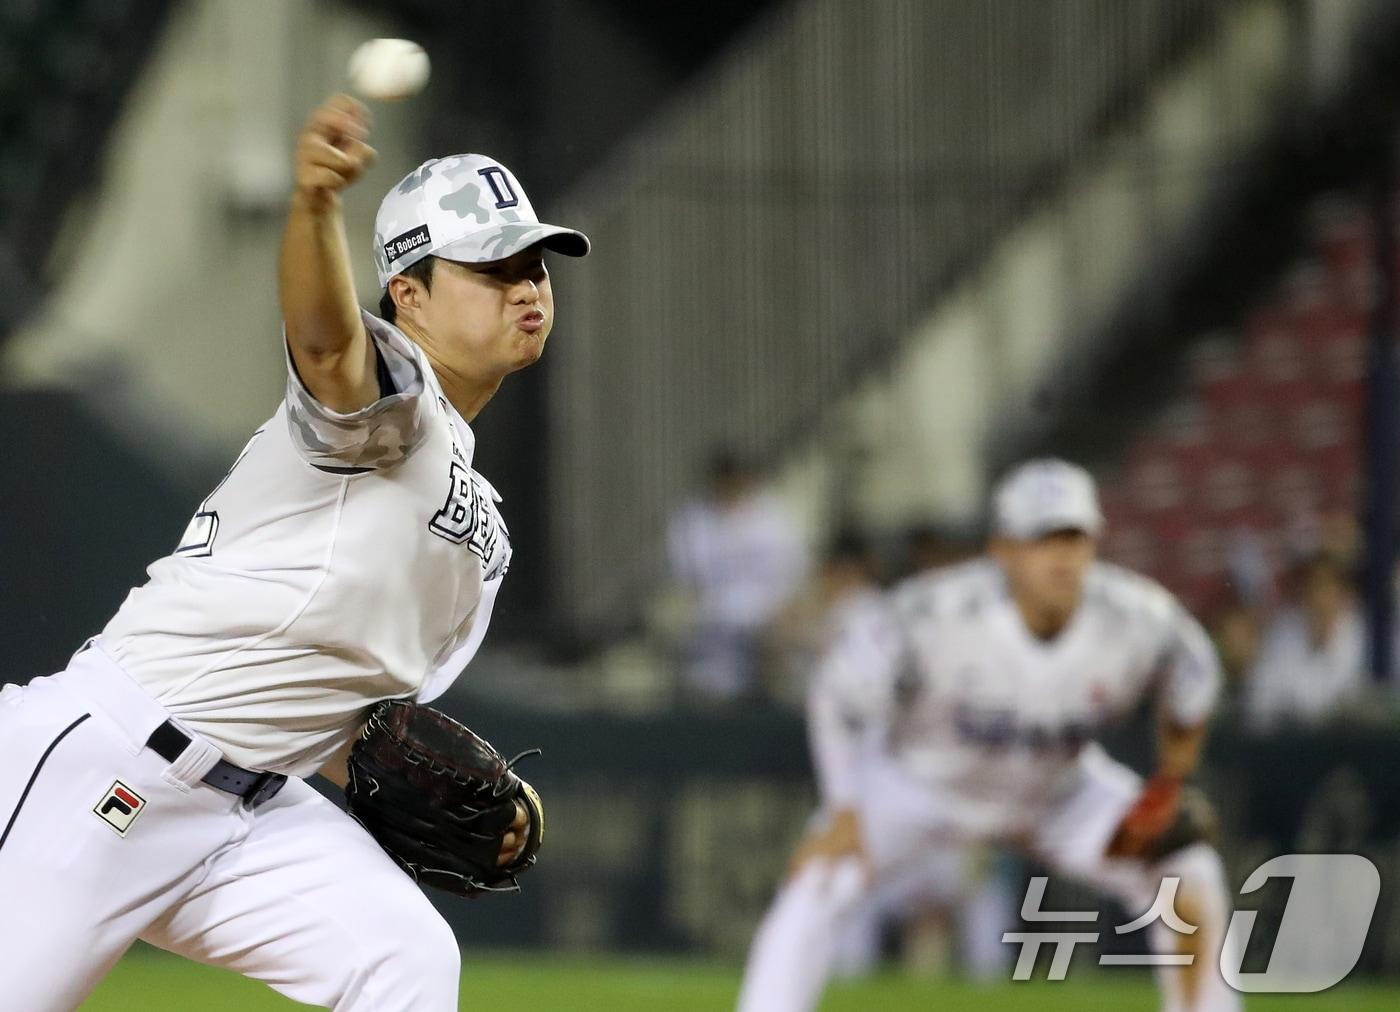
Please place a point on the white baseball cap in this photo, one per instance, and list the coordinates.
(463, 207)
(1043, 496)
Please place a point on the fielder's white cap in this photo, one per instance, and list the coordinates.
(463, 207)
(1043, 496)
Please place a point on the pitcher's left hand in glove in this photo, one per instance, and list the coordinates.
(441, 801)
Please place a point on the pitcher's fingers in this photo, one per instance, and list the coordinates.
(359, 152)
(343, 112)
(349, 105)
(318, 177)
(509, 851)
(315, 151)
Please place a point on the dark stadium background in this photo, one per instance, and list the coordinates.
(789, 202)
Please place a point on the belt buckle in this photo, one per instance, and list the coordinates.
(265, 788)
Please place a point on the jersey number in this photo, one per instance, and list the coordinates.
(198, 539)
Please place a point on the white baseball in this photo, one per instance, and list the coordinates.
(388, 70)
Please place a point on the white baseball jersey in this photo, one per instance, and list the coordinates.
(743, 560)
(1294, 678)
(944, 677)
(344, 559)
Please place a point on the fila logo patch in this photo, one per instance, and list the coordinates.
(120, 807)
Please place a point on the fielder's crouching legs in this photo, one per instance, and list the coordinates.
(1202, 900)
(308, 903)
(1078, 836)
(791, 954)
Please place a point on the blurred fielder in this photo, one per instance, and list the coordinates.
(962, 708)
(153, 788)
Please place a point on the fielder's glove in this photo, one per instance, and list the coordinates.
(1167, 816)
(439, 799)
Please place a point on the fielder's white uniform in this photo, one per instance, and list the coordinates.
(941, 719)
(345, 559)
(952, 875)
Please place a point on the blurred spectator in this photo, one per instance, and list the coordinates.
(1312, 661)
(1235, 626)
(1249, 572)
(800, 632)
(738, 556)
(1334, 533)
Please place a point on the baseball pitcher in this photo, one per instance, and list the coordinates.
(341, 575)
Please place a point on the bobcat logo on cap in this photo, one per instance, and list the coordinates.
(407, 243)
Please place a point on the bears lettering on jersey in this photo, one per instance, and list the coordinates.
(468, 517)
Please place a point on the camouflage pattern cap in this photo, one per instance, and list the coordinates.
(463, 207)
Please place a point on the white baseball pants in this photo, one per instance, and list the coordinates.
(791, 955)
(102, 841)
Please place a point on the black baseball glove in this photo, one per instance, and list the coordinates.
(440, 800)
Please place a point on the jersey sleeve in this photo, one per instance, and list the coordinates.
(851, 699)
(376, 436)
(1191, 677)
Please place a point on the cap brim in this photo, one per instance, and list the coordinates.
(507, 240)
(568, 241)
(1052, 525)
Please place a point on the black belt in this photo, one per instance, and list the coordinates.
(169, 742)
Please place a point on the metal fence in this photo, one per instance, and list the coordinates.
(772, 239)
